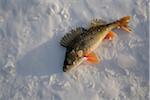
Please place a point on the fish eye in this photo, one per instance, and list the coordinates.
(80, 53)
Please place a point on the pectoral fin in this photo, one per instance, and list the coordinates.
(92, 58)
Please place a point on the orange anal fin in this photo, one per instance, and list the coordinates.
(92, 58)
(110, 35)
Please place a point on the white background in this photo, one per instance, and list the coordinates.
(31, 58)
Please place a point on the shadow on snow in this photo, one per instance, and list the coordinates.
(46, 59)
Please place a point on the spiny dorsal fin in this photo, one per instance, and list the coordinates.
(97, 22)
(67, 39)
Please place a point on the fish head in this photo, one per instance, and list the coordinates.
(72, 60)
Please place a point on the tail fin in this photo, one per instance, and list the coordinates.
(123, 23)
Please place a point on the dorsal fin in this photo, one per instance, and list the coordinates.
(66, 40)
(97, 22)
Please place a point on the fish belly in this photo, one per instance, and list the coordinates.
(98, 42)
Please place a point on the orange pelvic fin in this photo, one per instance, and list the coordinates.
(110, 35)
(92, 58)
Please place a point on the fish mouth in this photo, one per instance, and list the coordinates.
(67, 67)
(64, 69)
(72, 66)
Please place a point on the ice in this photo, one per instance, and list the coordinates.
(31, 57)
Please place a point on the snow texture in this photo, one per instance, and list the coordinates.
(31, 58)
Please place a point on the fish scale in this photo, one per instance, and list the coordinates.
(81, 42)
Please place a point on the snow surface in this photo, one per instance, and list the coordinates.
(31, 58)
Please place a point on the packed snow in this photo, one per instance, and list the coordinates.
(31, 57)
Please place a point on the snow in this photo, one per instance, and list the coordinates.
(31, 58)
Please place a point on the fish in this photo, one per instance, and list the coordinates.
(81, 42)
